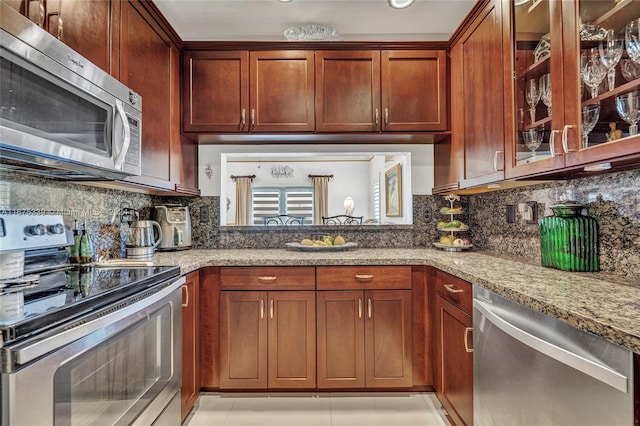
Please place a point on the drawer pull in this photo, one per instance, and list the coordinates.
(364, 277)
(466, 339)
(268, 279)
(450, 289)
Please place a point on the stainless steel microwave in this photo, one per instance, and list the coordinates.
(60, 115)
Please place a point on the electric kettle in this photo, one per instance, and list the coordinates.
(142, 242)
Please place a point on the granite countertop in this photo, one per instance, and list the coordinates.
(606, 306)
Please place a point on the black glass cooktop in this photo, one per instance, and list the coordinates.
(62, 295)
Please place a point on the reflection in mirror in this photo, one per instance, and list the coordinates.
(376, 186)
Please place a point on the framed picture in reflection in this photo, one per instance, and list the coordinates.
(393, 191)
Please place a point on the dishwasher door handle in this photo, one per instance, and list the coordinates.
(586, 366)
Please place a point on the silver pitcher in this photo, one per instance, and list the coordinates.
(142, 240)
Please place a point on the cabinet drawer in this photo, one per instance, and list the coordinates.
(455, 290)
(267, 278)
(363, 277)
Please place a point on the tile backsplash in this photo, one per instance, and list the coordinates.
(613, 199)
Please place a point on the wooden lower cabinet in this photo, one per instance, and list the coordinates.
(455, 340)
(190, 344)
(267, 340)
(364, 339)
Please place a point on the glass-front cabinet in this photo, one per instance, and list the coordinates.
(576, 84)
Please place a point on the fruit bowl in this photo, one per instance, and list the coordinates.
(461, 228)
(302, 247)
(447, 247)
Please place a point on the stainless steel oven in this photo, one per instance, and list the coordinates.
(60, 114)
(120, 367)
(84, 344)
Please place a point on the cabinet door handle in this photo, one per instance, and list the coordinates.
(451, 289)
(369, 307)
(364, 277)
(253, 119)
(466, 339)
(377, 117)
(41, 11)
(243, 118)
(565, 138)
(60, 26)
(495, 161)
(271, 309)
(185, 292)
(359, 308)
(267, 279)
(261, 308)
(552, 142)
(386, 116)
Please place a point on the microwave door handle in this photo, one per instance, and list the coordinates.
(126, 136)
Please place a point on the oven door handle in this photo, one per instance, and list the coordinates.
(571, 359)
(26, 352)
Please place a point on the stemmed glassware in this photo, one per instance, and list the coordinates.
(533, 138)
(590, 116)
(592, 69)
(628, 107)
(610, 53)
(533, 97)
(632, 39)
(545, 91)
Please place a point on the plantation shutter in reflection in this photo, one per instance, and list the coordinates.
(265, 203)
(300, 203)
(296, 201)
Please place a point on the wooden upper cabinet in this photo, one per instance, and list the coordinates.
(147, 61)
(483, 98)
(281, 91)
(557, 119)
(348, 91)
(216, 91)
(414, 90)
(242, 91)
(85, 26)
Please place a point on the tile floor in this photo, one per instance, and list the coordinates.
(330, 409)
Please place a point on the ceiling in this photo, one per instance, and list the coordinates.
(354, 20)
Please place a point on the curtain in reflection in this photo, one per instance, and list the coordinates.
(243, 200)
(320, 198)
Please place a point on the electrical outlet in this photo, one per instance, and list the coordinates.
(204, 214)
(426, 214)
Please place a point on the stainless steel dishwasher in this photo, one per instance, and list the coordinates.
(531, 369)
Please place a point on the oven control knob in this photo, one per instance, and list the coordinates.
(58, 228)
(36, 229)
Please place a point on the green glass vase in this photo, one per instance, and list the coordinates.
(569, 240)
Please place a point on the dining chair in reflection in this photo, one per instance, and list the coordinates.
(284, 220)
(342, 219)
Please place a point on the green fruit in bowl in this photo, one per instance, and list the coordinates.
(446, 240)
(441, 224)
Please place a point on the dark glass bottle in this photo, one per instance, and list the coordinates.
(86, 246)
(569, 240)
(74, 250)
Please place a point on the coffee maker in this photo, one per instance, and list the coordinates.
(175, 223)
